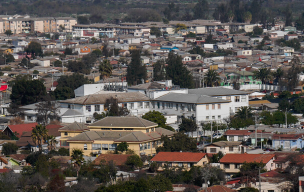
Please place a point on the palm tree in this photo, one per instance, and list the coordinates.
(278, 74)
(244, 113)
(77, 157)
(105, 69)
(212, 78)
(263, 74)
(39, 134)
(52, 142)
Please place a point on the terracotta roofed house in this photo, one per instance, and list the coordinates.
(226, 147)
(118, 159)
(180, 159)
(10, 130)
(237, 135)
(232, 163)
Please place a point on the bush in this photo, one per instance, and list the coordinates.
(9, 148)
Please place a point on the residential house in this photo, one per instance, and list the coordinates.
(104, 135)
(70, 131)
(184, 160)
(282, 159)
(19, 129)
(290, 37)
(218, 188)
(287, 141)
(244, 52)
(137, 103)
(287, 51)
(237, 135)
(88, 89)
(232, 163)
(226, 147)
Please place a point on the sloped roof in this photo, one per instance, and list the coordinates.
(287, 136)
(216, 91)
(150, 85)
(189, 98)
(226, 143)
(124, 122)
(138, 136)
(99, 135)
(249, 158)
(218, 188)
(78, 127)
(118, 159)
(20, 128)
(18, 157)
(101, 98)
(25, 139)
(238, 132)
(271, 173)
(178, 157)
(71, 112)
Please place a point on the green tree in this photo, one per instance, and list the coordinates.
(134, 162)
(113, 109)
(188, 125)
(298, 105)
(39, 135)
(284, 105)
(249, 189)
(179, 142)
(68, 51)
(83, 20)
(57, 183)
(250, 171)
(136, 72)
(247, 17)
(48, 110)
(155, 31)
(244, 113)
(212, 78)
(97, 52)
(106, 172)
(105, 69)
(9, 148)
(267, 118)
(8, 32)
(160, 183)
(77, 158)
(257, 30)
(263, 74)
(288, 16)
(34, 48)
(26, 91)
(157, 117)
(63, 152)
(42, 165)
(57, 63)
(179, 73)
(159, 70)
(121, 147)
(201, 10)
(292, 74)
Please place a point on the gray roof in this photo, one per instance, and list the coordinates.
(74, 127)
(101, 98)
(216, 91)
(124, 122)
(71, 112)
(121, 136)
(226, 143)
(189, 98)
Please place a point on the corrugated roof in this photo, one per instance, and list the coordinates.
(216, 91)
(101, 98)
(189, 98)
(178, 157)
(124, 122)
(249, 158)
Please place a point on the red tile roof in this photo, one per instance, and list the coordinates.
(20, 128)
(3, 160)
(118, 159)
(238, 132)
(5, 170)
(287, 136)
(271, 174)
(178, 157)
(218, 188)
(18, 157)
(249, 158)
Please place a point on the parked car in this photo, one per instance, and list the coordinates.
(217, 135)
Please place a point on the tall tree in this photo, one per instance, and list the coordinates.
(105, 69)
(39, 135)
(263, 74)
(188, 125)
(77, 158)
(8, 32)
(159, 70)
(47, 111)
(292, 74)
(113, 109)
(34, 48)
(201, 10)
(136, 72)
(288, 16)
(212, 78)
(179, 73)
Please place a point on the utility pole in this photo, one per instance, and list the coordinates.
(260, 180)
(256, 130)
(286, 118)
(211, 132)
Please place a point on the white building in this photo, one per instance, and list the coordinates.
(88, 89)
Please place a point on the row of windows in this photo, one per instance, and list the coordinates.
(213, 117)
(163, 105)
(213, 106)
(140, 105)
(106, 147)
(181, 165)
(149, 145)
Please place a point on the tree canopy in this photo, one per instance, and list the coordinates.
(136, 72)
(157, 117)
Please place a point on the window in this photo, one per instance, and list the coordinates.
(105, 147)
(85, 147)
(240, 138)
(145, 146)
(213, 106)
(163, 105)
(176, 106)
(237, 99)
(243, 98)
(96, 146)
(140, 105)
(152, 129)
(97, 107)
(189, 107)
(218, 106)
(236, 166)
(180, 164)
(147, 130)
(219, 117)
(146, 104)
(212, 150)
(189, 165)
(169, 164)
(153, 105)
(64, 143)
(149, 145)
(65, 133)
(158, 105)
(207, 107)
(228, 98)
(226, 166)
(112, 147)
(231, 138)
(132, 106)
(88, 108)
(207, 117)
(230, 148)
(213, 117)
